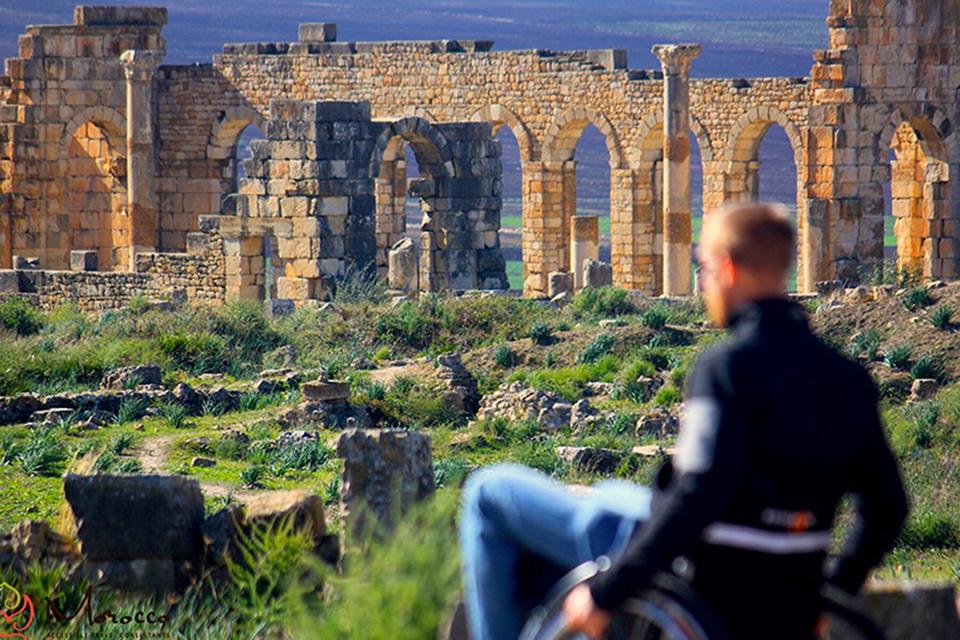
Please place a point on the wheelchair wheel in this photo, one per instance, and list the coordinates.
(668, 611)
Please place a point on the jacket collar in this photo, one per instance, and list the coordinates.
(768, 313)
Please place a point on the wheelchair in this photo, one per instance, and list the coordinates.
(670, 610)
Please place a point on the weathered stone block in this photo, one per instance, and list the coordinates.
(385, 472)
(597, 274)
(83, 260)
(317, 32)
(559, 282)
(402, 265)
(123, 517)
(325, 390)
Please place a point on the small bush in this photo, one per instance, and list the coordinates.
(195, 352)
(866, 345)
(655, 317)
(251, 476)
(541, 333)
(917, 298)
(18, 316)
(505, 357)
(942, 317)
(550, 361)
(214, 407)
(667, 397)
(898, 358)
(359, 285)
(597, 348)
(131, 409)
(601, 302)
(627, 381)
(301, 456)
(926, 367)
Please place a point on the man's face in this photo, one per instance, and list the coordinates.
(716, 275)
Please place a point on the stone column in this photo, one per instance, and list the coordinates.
(677, 234)
(139, 67)
(584, 245)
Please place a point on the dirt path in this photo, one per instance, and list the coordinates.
(152, 454)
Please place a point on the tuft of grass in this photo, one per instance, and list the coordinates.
(898, 357)
(131, 409)
(174, 413)
(601, 302)
(930, 530)
(942, 317)
(359, 285)
(866, 345)
(252, 476)
(598, 347)
(43, 454)
(926, 367)
(917, 297)
(668, 396)
(450, 472)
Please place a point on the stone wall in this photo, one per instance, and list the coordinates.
(891, 71)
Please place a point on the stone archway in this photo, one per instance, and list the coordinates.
(95, 215)
(920, 161)
(389, 169)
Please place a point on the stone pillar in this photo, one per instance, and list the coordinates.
(584, 245)
(139, 66)
(677, 232)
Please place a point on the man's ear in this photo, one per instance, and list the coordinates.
(729, 269)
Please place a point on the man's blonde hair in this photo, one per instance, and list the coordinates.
(757, 236)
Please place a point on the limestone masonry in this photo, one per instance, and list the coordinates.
(119, 174)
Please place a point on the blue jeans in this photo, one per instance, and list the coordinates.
(509, 511)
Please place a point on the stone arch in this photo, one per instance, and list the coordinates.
(704, 140)
(391, 187)
(429, 146)
(560, 140)
(111, 121)
(921, 191)
(94, 173)
(226, 130)
(748, 131)
(500, 115)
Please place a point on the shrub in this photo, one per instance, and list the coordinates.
(628, 380)
(941, 317)
(541, 333)
(917, 298)
(131, 409)
(550, 361)
(9, 449)
(195, 352)
(602, 302)
(18, 316)
(866, 345)
(655, 317)
(597, 348)
(926, 367)
(898, 357)
(667, 397)
(105, 462)
(245, 329)
(214, 407)
(505, 357)
(410, 324)
(331, 491)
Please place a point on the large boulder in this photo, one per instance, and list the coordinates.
(126, 517)
(659, 423)
(384, 473)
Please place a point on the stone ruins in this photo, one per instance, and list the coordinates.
(120, 174)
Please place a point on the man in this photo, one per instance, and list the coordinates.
(776, 429)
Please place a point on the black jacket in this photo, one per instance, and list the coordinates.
(777, 428)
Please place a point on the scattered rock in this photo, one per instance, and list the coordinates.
(858, 295)
(325, 390)
(922, 389)
(598, 388)
(827, 287)
(653, 451)
(290, 438)
(515, 402)
(591, 459)
(659, 423)
(302, 508)
(459, 385)
(48, 417)
(185, 395)
(264, 386)
(384, 473)
(130, 377)
(203, 462)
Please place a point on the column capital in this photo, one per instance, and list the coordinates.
(140, 64)
(676, 58)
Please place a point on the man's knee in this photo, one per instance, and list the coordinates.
(491, 487)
